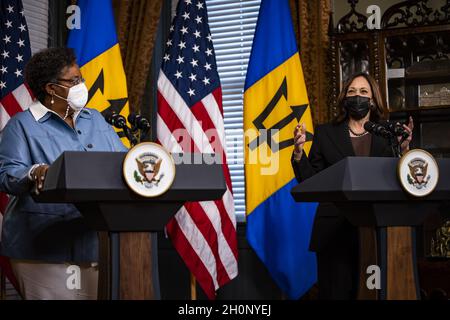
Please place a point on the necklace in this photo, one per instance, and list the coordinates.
(67, 112)
(357, 134)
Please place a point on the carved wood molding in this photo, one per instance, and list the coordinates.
(415, 13)
(409, 13)
(353, 21)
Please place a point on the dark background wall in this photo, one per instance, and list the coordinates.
(253, 281)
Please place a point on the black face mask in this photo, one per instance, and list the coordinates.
(357, 106)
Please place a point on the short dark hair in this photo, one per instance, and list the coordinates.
(378, 110)
(46, 66)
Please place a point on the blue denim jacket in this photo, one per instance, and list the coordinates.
(43, 231)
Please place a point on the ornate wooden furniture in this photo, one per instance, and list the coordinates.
(409, 56)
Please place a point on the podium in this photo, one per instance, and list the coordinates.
(369, 195)
(93, 182)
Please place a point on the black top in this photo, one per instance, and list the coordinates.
(331, 143)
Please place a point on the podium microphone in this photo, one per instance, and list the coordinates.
(397, 129)
(378, 129)
(139, 122)
(387, 129)
(116, 120)
(119, 121)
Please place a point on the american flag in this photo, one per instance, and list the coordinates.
(14, 54)
(190, 109)
(15, 97)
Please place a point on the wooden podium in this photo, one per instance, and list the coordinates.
(370, 196)
(93, 182)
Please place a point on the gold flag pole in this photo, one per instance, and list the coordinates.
(193, 288)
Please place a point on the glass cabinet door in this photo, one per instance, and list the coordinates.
(418, 71)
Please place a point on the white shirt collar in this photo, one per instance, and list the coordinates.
(38, 110)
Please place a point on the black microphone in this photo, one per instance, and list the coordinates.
(378, 129)
(119, 121)
(108, 116)
(139, 122)
(397, 129)
(116, 120)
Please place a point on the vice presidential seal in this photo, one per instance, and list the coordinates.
(148, 169)
(418, 172)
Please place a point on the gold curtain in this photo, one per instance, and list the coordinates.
(311, 20)
(137, 25)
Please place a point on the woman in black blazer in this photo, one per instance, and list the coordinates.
(333, 239)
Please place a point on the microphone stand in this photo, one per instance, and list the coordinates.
(140, 127)
(129, 135)
(390, 133)
(395, 145)
(144, 134)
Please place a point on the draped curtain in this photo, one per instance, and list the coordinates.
(311, 21)
(137, 24)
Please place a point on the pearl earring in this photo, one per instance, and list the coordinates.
(53, 100)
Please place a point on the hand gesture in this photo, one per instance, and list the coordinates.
(299, 139)
(409, 128)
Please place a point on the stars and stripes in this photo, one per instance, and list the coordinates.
(190, 101)
(15, 51)
(14, 54)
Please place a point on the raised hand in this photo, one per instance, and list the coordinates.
(299, 139)
(409, 128)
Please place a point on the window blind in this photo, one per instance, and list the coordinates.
(36, 14)
(232, 24)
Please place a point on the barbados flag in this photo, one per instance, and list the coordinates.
(275, 100)
(99, 58)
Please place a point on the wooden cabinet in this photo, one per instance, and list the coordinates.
(409, 56)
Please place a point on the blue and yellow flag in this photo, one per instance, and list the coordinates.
(99, 58)
(275, 100)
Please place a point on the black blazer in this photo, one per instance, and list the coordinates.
(331, 143)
